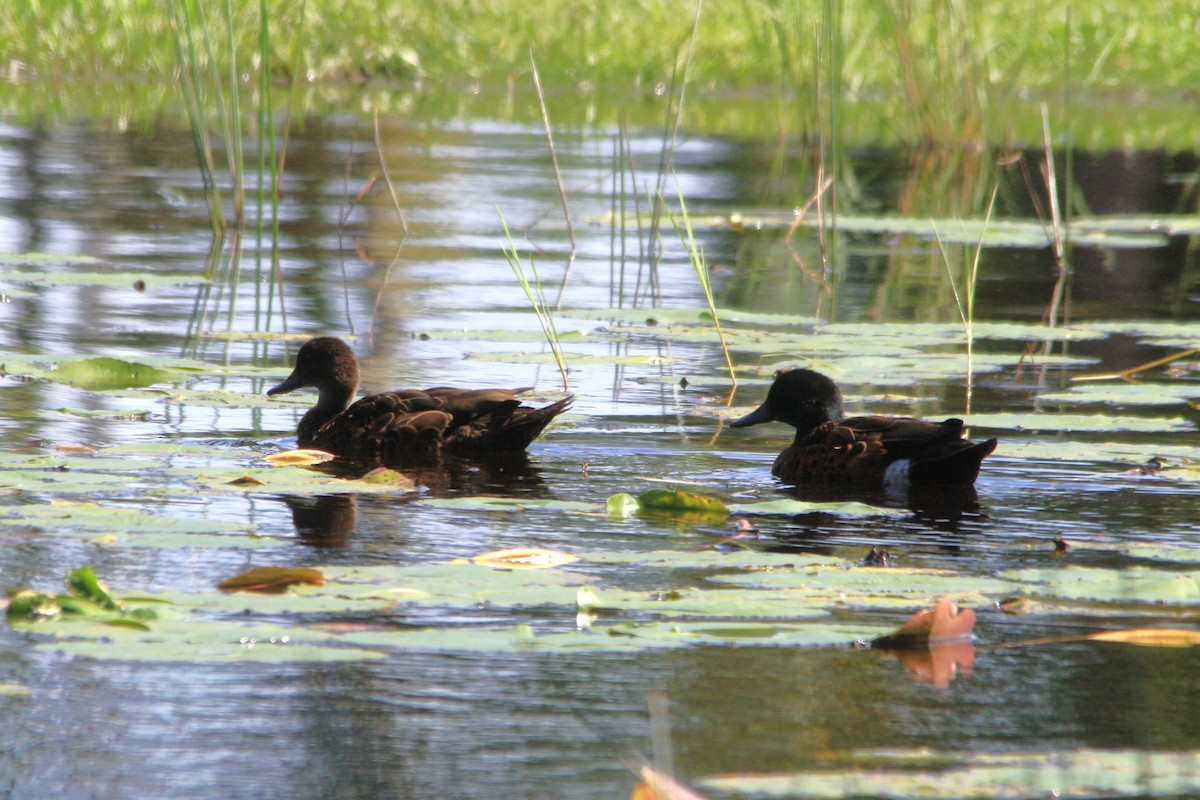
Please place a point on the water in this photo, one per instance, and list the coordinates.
(431, 725)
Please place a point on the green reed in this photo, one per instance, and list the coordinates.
(683, 228)
(536, 297)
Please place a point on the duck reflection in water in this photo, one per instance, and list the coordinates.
(330, 520)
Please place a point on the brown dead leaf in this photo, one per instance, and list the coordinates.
(76, 449)
(299, 458)
(942, 623)
(1151, 637)
(655, 785)
(383, 476)
(525, 558)
(246, 480)
(271, 580)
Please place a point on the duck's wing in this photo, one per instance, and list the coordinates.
(493, 420)
(937, 451)
(903, 434)
(392, 426)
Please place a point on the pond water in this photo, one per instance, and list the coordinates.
(1107, 471)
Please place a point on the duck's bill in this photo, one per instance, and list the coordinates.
(290, 384)
(755, 417)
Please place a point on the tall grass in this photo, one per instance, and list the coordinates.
(1143, 45)
(965, 299)
(531, 284)
(208, 55)
(683, 228)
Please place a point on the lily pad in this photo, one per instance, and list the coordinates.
(1144, 394)
(932, 774)
(115, 278)
(1134, 585)
(1078, 423)
(107, 373)
(850, 508)
(876, 587)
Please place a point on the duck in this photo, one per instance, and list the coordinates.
(411, 426)
(892, 453)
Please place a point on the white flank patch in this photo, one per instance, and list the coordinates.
(895, 477)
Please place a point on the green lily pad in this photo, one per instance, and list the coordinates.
(849, 508)
(1135, 585)
(208, 643)
(532, 336)
(116, 278)
(508, 504)
(677, 503)
(1145, 394)
(932, 774)
(122, 526)
(641, 316)
(875, 587)
(107, 373)
(1120, 451)
(714, 604)
(621, 637)
(1059, 423)
(570, 358)
(47, 259)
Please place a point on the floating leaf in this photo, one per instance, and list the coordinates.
(1151, 637)
(299, 458)
(84, 583)
(384, 476)
(852, 508)
(107, 373)
(28, 605)
(1059, 423)
(677, 503)
(901, 774)
(76, 449)
(14, 690)
(246, 480)
(657, 785)
(62, 277)
(271, 580)
(509, 504)
(942, 623)
(127, 622)
(622, 505)
(1147, 394)
(1127, 586)
(525, 558)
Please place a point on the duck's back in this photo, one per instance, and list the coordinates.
(421, 426)
(875, 450)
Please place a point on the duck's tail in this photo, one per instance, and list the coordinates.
(950, 462)
(523, 426)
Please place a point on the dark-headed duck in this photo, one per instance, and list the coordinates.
(409, 426)
(830, 449)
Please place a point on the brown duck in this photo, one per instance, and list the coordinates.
(406, 427)
(896, 453)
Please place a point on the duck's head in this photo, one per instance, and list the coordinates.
(800, 397)
(326, 364)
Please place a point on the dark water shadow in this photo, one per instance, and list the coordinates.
(330, 520)
(946, 516)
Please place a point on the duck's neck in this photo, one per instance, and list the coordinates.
(332, 400)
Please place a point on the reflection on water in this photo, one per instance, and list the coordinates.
(325, 520)
(442, 310)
